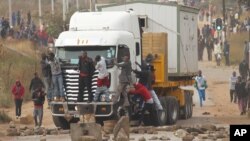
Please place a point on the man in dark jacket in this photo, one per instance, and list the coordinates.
(242, 95)
(86, 68)
(38, 97)
(47, 77)
(36, 83)
(243, 69)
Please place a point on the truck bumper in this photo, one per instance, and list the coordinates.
(75, 109)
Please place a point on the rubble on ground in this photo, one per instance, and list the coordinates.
(121, 129)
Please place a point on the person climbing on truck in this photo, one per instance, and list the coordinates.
(102, 79)
(146, 78)
(124, 79)
(86, 68)
(57, 78)
(141, 90)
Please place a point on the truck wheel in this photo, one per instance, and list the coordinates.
(186, 108)
(172, 110)
(190, 103)
(162, 115)
(61, 122)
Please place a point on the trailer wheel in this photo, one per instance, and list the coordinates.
(172, 110)
(162, 115)
(185, 114)
(190, 102)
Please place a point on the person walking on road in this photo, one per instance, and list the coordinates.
(18, 94)
(248, 93)
(86, 68)
(201, 85)
(217, 52)
(233, 80)
(227, 52)
(210, 47)
(201, 45)
(36, 83)
(243, 69)
(242, 95)
(38, 97)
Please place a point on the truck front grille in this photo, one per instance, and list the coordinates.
(71, 84)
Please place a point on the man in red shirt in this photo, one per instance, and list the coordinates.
(141, 90)
(18, 93)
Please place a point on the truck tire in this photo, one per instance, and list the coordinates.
(162, 115)
(185, 114)
(172, 110)
(190, 101)
(61, 122)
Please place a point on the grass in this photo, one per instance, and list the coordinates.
(4, 118)
(15, 66)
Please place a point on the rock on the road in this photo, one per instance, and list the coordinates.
(188, 138)
(208, 127)
(142, 139)
(180, 133)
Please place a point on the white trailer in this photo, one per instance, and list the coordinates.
(179, 22)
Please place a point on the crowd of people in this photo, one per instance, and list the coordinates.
(51, 84)
(24, 28)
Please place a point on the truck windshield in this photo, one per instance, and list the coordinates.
(71, 54)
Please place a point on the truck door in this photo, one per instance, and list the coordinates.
(122, 51)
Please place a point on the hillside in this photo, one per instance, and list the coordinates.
(15, 65)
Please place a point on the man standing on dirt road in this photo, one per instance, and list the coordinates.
(242, 95)
(201, 85)
(243, 69)
(18, 93)
(233, 80)
(36, 83)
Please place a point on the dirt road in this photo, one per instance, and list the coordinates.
(221, 110)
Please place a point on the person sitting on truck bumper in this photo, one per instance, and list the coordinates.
(102, 79)
(139, 89)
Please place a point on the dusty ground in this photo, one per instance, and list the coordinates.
(222, 111)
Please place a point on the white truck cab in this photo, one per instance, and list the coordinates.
(109, 34)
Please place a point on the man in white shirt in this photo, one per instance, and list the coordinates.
(232, 82)
(201, 85)
(102, 79)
